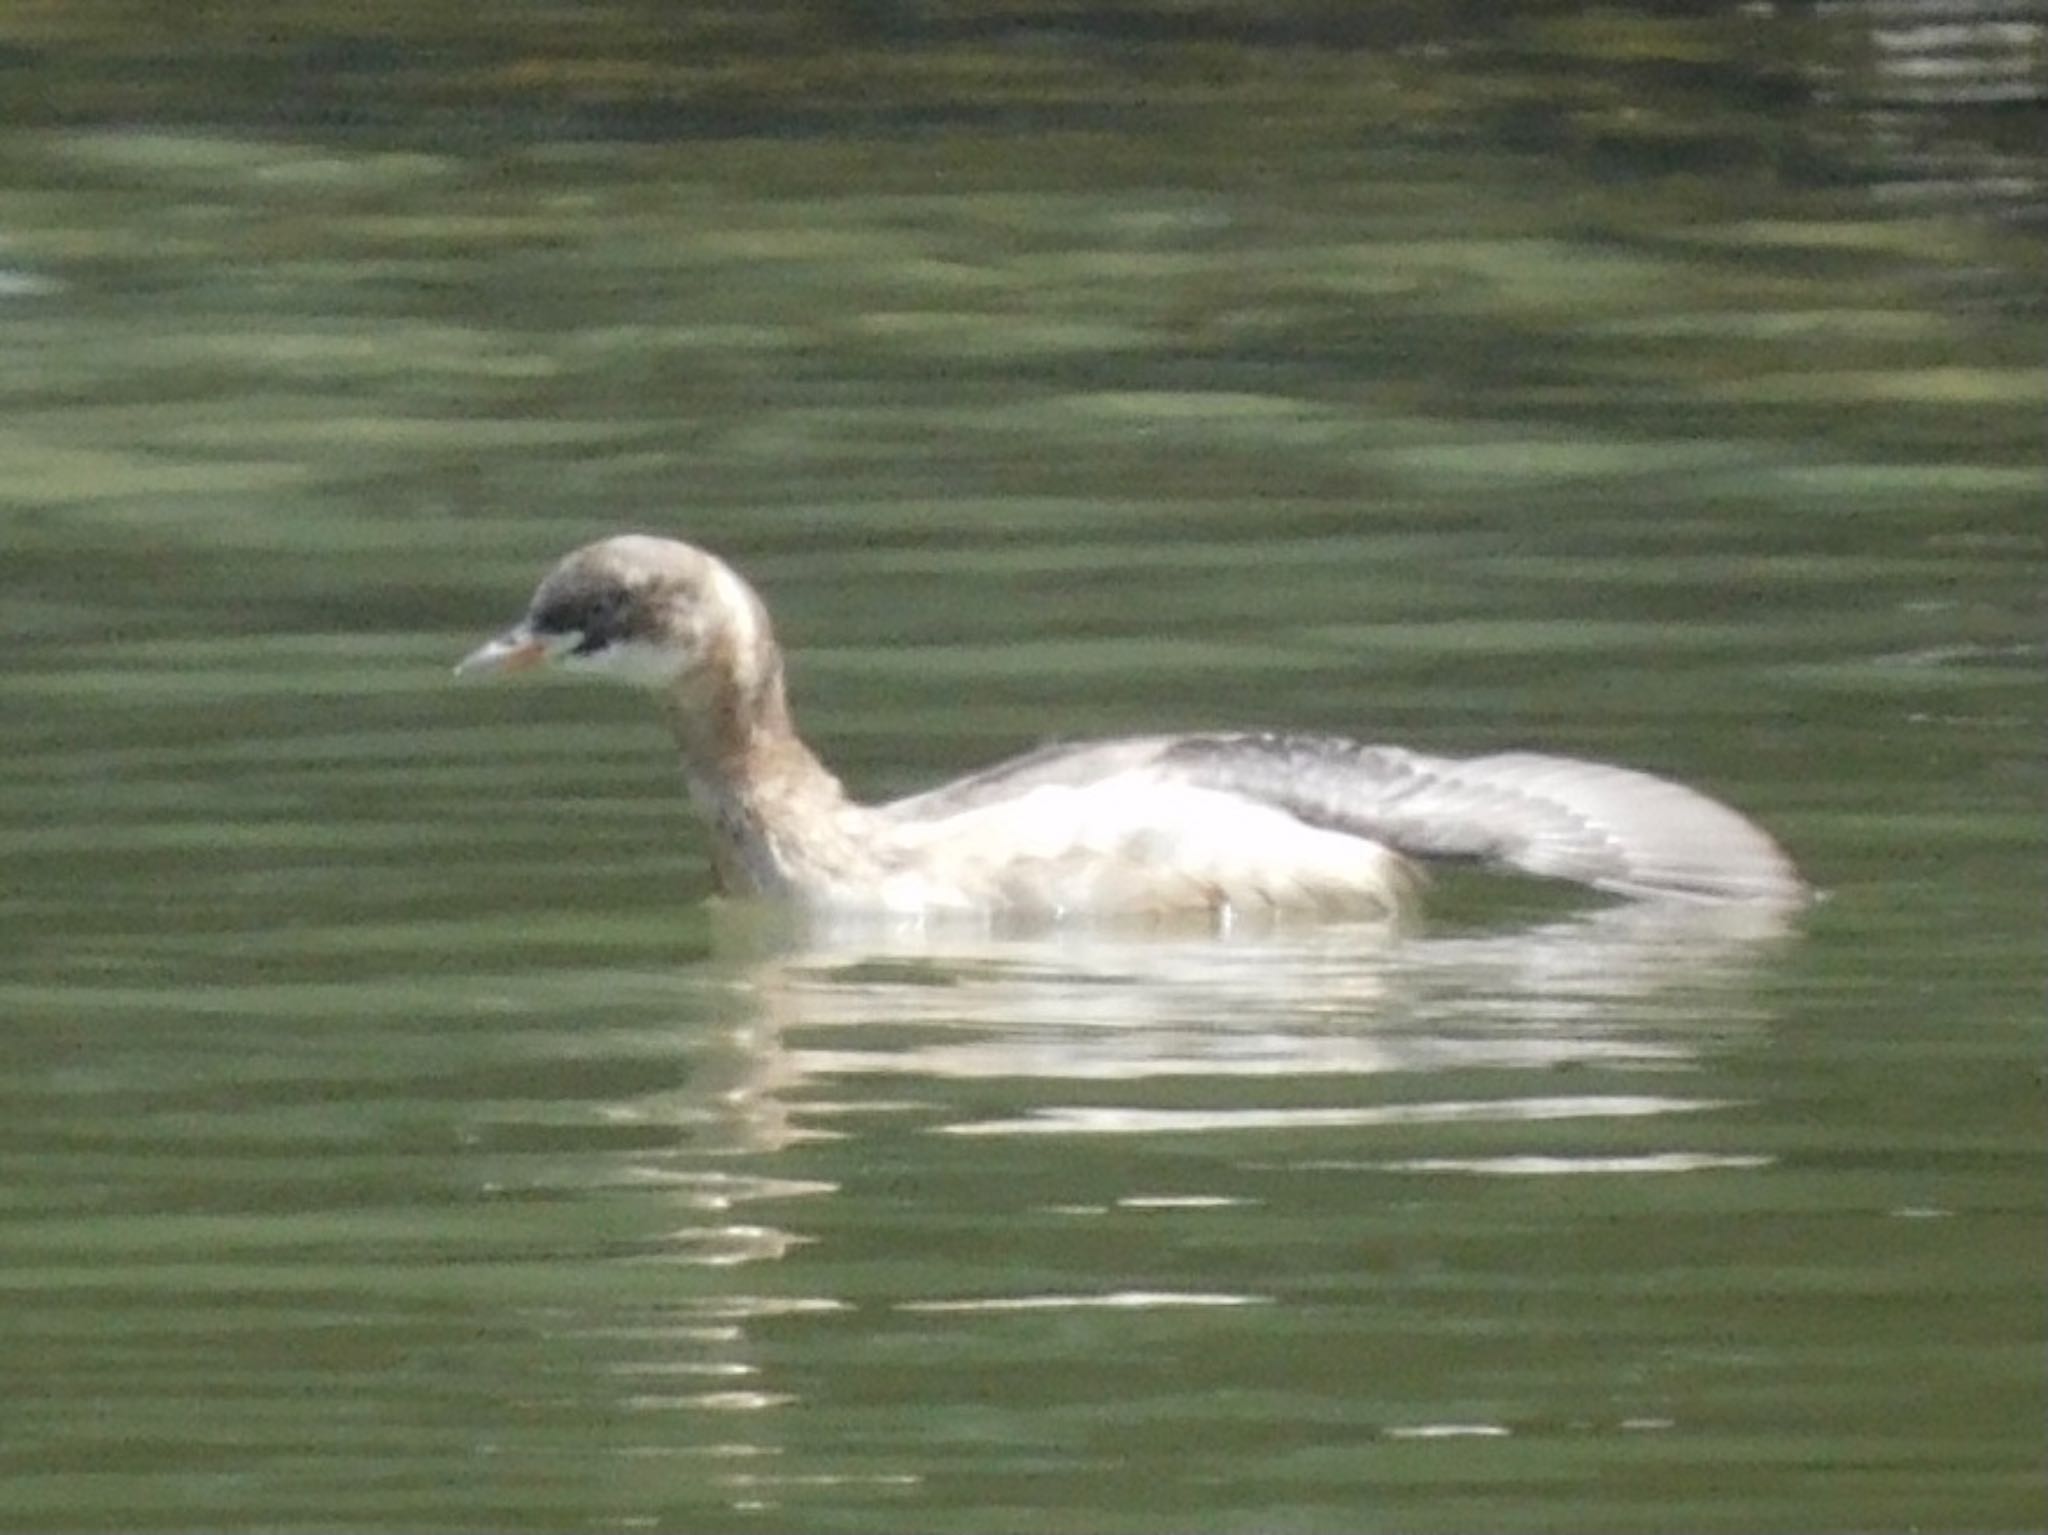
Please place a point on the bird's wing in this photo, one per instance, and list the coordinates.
(1611, 828)
(1062, 764)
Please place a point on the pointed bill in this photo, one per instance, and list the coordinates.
(516, 650)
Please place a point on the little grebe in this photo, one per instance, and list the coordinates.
(1228, 825)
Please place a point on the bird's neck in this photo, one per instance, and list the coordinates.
(777, 817)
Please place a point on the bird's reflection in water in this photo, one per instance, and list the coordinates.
(1636, 987)
(1611, 986)
(824, 1031)
(845, 1033)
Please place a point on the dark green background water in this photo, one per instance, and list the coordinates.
(393, 1138)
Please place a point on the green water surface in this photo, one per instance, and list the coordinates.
(396, 1140)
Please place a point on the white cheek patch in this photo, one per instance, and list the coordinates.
(633, 662)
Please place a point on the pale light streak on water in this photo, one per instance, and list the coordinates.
(1055, 1120)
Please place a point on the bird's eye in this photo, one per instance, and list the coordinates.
(592, 619)
(596, 620)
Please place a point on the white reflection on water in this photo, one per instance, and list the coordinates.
(842, 1034)
(723, 1246)
(1177, 1202)
(1623, 989)
(1550, 1167)
(1119, 1300)
(1600, 990)
(1123, 1121)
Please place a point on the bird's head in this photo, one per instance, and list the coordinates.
(651, 612)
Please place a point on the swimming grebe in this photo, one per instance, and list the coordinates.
(1229, 825)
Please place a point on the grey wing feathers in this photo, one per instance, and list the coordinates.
(1611, 828)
